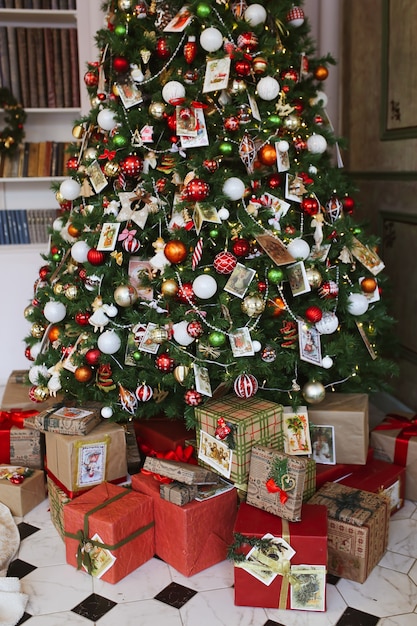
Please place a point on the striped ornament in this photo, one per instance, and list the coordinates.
(245, 386)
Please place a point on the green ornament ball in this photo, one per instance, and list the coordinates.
(137, 355)
(120, 30)
(56, 257)
(275, 275)
(226, 148)
(217, 339)
(357, 230)
(119, 141)
(275, 120)
(203, 10)
(213, 233)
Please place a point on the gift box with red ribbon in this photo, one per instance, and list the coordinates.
(21, 488)
(109, 531)
(19, 444)
(331, 473)
(277, 563)
(160, 434)
(192, 537)
(395, 441)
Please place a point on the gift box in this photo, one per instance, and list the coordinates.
(160, 434)
(20, 445)
(180, 471)
(132, 449)
(286, 568)
(67, 420)
(250, 420)
(192, 537)
(331, 473)
(379, 477)
(357, 529)
(16, 394)
(78, 463)
(178, 493)
(23, 493)
(109, 531)
(276, 482)
(348, 413)
(57, 500)
(395, 441)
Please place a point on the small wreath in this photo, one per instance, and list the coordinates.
(15, 117)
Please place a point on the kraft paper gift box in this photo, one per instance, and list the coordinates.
(357, 529)
(178, 493)
(77, 463)
(252, 421)
(288, 572)
(67, 420)
(192, 537)
(57, 500)
(276, 482)
(395, 441)
(16, 394)
(379, 477)
(109, 531)
(180, 471)
(349, 414)
(21, 498)
(20, 445)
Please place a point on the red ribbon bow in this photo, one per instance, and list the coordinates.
(185, 455)
(272, 487)
(108, 154)
(408, 429)
(8, 419)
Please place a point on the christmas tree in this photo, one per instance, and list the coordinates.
(206, 242)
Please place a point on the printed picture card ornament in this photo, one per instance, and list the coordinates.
(245, 386)
(313, 392)
(268, 88)
(328, 324)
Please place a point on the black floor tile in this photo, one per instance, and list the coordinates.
(331, 579)
(19, 569)
(24, 619)
(353, 617)
(94, 607)
(271, 622)
(26, 530)
(175, 595)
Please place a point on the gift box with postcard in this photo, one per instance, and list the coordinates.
(228, 427)
(276, 482)
(277, 563)
(395, 441)
(192, 537)
(78, 463)
(379, 477)
(109, 531)
(21, 488)
(20, 444)
(358, 524)
(348, 413)
(67, 420)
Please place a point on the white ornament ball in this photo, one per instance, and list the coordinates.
(299, 248)
(92, 282)
(234, 188)
(109, 342)
(357, 304)
(312, 169)
(106, 412)
(180, 334)
(37, 372)
(283, 146)
(106, 119)
(223, 214)
(173, 90)
(70, 189)
(211, 39)
(204, 286)
(256, 345)
(255, 14)
(35, 350)
(327, 362)
(316, 144)
(313, 392)
(320, 98)
(58, 224)
(54, 311)
(328, 324)
(79, 251)
(268, 88)
(111, 310)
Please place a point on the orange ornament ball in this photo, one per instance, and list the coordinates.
(267, 154)
(73, 231)
(83, 374)
(321, 72)
(175, 251)
(276, 306)
(53, 333)
(369, 284)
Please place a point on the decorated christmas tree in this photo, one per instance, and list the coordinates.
(207, 240)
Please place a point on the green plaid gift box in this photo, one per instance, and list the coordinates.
(252, 421)
(57, 500)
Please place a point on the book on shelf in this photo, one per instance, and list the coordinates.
(13, 61)
(32, 63)
(49, 68)
(23, 62)
(37, 37)
(58, 69)
(4, 59)
(33, 159)
(65, 67)
(75, 79)
(23, 226)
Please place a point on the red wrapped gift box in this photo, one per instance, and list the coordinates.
(309, 540)
(332, 473)
(161, 434)
(20, 443)
(192, 537)
(112, 528)
(379, 477)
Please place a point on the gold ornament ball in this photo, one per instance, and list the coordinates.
(73, 231)
(37, 330)
(313, 392)
(180, 373)
(259, 65)
(253, 305)
(159, 334)
(40, 393)
(314, 277)
(78, 131)
(267, 154)
(157, 110)
(111, 169)
(53, 333)
(291, 123)
(28, 311)
(321, 72)
(71, 292)
(169, 288)
(125, 295)
(59, 197)
(83, 374)
(175, 251)
(58, 288)
(368, 285)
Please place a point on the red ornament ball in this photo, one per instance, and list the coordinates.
(348, 204)
(131, 245)
(243, 67)
(82, 317)
(131, 165)
(162, 49)
(241, 247)
(44, 271)
(224, 263)
(164, 362)
(274, 181)
(197, 190)
(91, 79)
(28, 354)
(175, 251)
(161, 185)
(245, 386)
(144, 392)
(121, 65)
(185, 294)
(328, 290)
(310, 206)
(247, 41)
(193, 397)
(290, 75)
(195, 329)
(72, 164)
(232, 123)
(295, 17)
(211, 165)
(313, 314)
(96, 257)
(92, 356)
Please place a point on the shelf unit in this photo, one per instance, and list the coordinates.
(20, 263)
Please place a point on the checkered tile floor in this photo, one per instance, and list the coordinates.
(156, 594)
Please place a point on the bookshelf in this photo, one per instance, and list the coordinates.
(20, 263)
